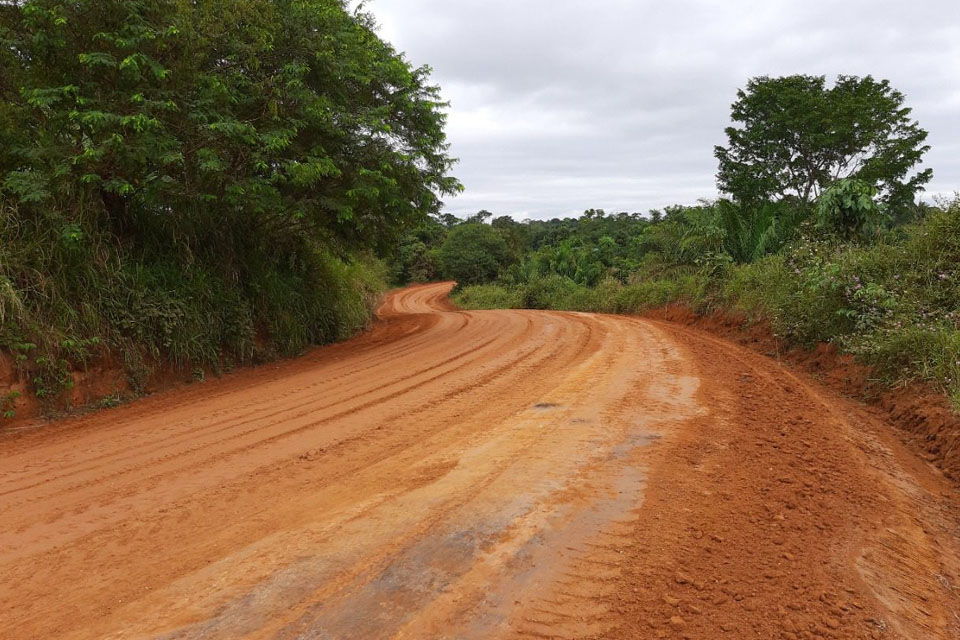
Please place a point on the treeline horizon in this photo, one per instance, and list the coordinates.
(891, 297)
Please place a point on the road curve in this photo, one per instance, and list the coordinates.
(497, 474)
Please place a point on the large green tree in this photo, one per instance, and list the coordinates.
(273, 114)
(793, 136)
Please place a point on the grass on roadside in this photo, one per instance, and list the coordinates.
(895, 304)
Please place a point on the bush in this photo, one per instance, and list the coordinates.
(73, 296)
(548, 292)
(847, 209)
(643, 296)
(473, 254)
(488, 296)
(610, 296)
(416, 257)
(895, 304)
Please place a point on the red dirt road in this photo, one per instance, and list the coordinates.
(499, 474)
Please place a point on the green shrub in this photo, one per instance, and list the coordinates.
(488, 296)
(473, 254)
(599, 299)
(801, 295)
(895, 303)
(643, 296)
(548, 292)
(848, 210)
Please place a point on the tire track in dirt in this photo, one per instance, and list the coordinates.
(195, 432)
(223, 454)
(243, 407)
(476, 475)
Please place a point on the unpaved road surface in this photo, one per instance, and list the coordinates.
(501, 474)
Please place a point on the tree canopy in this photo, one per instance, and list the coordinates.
(286, 114)
(473, 253)
(207, 183)
(794, 136)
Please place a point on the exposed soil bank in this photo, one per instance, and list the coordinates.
(102, 384)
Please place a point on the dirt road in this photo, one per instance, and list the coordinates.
(481, 475)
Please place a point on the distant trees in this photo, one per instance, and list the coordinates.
(416, 257)
(479, 217)
(473, 253)
(515, 234)
(793, 137)
(803, 160)
(721, 232)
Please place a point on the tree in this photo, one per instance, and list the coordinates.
(473, 253)
(516, 235)
(415, 257)
(271, 115)
(794, 137)
(479, 217)
(190, 180)
(449, 220)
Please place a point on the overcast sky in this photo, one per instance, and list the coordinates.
(562, 105)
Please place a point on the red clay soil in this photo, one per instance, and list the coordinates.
(104, 378)
(925, 417)
(495, 474)
(89, 386)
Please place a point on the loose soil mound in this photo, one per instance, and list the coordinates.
(925, 417)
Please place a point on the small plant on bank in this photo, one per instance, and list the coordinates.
(110, 401)
(848, 210)
(8, 405)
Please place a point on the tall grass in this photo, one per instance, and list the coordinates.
(71, 291)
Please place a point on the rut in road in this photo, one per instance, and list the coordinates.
(491, 474)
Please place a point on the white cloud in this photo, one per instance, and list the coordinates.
(561, 105)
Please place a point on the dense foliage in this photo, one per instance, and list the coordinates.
(473, 253)
(204, 182)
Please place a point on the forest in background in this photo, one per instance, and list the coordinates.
(821, 234)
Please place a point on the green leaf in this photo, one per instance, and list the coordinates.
(98, 59)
